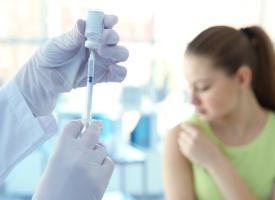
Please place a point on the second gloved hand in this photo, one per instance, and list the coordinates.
(78, 169)
(61, 65)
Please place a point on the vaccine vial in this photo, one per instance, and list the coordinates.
(94, 28)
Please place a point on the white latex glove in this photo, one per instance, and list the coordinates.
(61, 64)
(78, 169)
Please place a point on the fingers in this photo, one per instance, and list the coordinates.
(187, 137)
(108, 165)
(113, 73)
(189, 133)
(190, 137)
(114, 53)
(109, 37)
(98, 154)
(91, 135)
(184, 138)
(110, 21)
(105, 173)
(190, 129)
(117, 73)
(186, 143)
(72, 129)
(76, 36)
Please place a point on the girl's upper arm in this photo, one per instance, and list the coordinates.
(176, 170)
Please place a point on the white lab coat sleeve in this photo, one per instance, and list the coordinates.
(20, 131)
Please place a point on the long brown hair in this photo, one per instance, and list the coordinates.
(230, 48)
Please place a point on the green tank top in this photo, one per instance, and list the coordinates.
(254, 163)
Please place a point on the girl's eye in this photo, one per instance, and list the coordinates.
(203, 88)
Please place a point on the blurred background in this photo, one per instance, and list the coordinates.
(137, 113)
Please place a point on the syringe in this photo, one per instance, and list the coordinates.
(90, 83)
(93, 32)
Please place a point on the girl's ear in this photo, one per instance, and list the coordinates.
(244, 76)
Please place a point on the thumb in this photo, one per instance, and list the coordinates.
(72, 39)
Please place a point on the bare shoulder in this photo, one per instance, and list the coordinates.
(173, 135)
(171, 151)
(176, 169)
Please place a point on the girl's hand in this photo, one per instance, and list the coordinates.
(197, 147)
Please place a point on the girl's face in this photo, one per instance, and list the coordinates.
(213, 93)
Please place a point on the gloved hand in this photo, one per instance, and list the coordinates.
(61, 64)
(78, 169)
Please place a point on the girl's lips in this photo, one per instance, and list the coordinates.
(201, 111)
